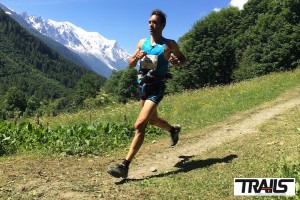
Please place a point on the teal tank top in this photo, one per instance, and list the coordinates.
(155, 57)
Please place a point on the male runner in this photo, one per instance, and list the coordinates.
(154, 54)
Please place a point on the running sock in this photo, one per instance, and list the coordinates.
(126, 163)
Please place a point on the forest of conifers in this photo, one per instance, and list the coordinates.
(227, 46)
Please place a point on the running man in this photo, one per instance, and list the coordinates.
(154, 54)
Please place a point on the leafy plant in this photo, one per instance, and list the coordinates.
(292, 170)
(77, 139)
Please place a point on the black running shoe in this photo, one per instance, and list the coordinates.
(118, 171)
(175, 135)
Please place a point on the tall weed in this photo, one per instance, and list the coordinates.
(292, 170)
(77, 139)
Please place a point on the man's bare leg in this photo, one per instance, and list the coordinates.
(148, 114)
(148, 109)
(159, 122)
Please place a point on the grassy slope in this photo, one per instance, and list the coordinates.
(206, 176)
(209, 176)
(195, 109)
(199, 108)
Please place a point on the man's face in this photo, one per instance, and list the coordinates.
(155, 26)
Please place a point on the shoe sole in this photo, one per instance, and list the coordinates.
(115, 175)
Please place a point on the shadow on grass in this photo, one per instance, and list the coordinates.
(186, 166)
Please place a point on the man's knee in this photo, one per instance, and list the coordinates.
(140, 126)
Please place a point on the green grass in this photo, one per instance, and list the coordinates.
(194, 109)
(271, 153)
(98, 131)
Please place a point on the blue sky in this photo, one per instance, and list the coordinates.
(123, 20)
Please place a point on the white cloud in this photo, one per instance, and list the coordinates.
(217, 9)
(238, 3)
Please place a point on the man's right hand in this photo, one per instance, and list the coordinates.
(140, 54)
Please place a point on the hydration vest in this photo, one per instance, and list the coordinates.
(155, 58)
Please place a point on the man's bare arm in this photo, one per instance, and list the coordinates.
(177, 58)
(138, 54)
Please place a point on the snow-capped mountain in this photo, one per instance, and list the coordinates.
(98, 53)
(61, 49)
(101, 54)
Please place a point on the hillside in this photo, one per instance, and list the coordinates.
(34, 68)
(243, 122)
(87, 49)
(261, 141)
(61, 49)
(234, 45)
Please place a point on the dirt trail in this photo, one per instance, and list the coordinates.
(237, 125)
(85, 178)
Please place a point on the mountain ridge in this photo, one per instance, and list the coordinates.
(61, 49)
(88, 49)
(98, 52)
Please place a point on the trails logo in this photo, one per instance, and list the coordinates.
(264, 186)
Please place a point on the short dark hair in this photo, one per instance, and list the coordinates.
(160, 14)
